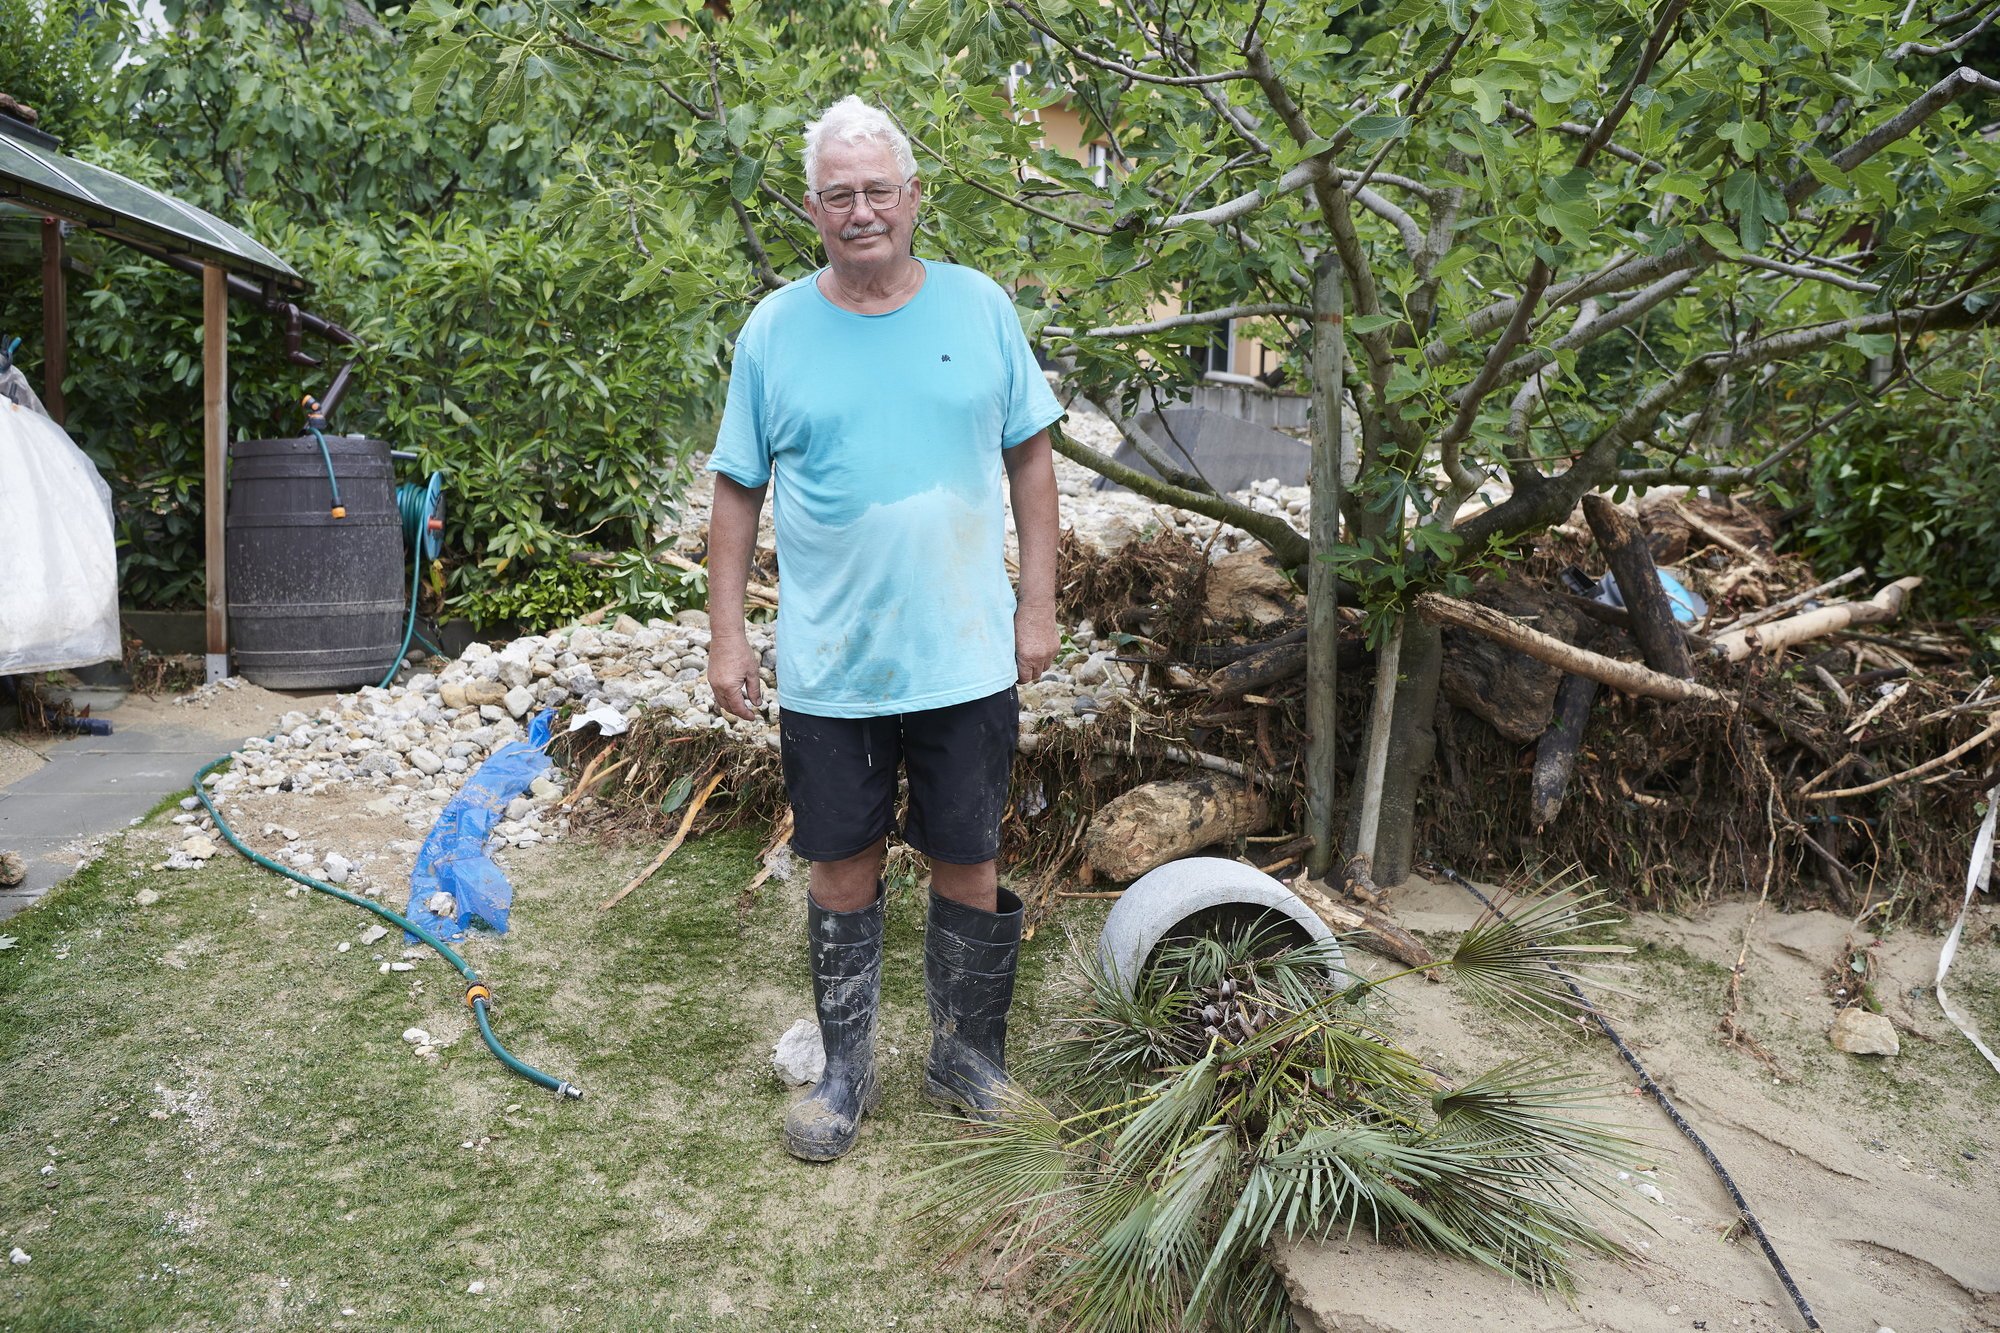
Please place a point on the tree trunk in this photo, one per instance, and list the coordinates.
(1653, 624)
(1410, 749)
(1322, 589)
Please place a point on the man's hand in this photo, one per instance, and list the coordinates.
(1035, 641)
(732, 674)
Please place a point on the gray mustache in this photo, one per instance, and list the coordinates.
(856, 233)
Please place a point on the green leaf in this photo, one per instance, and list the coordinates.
(1373, 129)
(1370, 323)
(677, 793)
(1808, 19)
(1749, 136)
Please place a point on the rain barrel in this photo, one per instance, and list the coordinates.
(315, 602)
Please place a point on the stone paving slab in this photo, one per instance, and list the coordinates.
(93, 785)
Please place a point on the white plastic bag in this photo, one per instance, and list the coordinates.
(60, 604)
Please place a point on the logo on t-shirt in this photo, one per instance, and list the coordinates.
(945, 357)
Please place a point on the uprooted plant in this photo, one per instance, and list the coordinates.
(1240, 1092)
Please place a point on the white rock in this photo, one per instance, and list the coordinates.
(441, 904)
(425, 760)
(416, 1036)
(799, 1058)
(342, 947)
(373, 933)
(475, 1288)
(145, 897)
(520, 699)
(17, 1255)
(197, 848)
(1859, 1032)
(402, 967)
(1650, 1191)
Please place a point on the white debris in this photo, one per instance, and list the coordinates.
(610, 722)
(441, 904)
(17, 1255)
(799, 1058)
(373, 933)
(416, 1036)
(475, 1288)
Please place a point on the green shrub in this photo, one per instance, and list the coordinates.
(494, 344)
(1914, 488)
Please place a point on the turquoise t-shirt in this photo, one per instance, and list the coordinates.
(884, 435)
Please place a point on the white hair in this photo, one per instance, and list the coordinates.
(851, 120)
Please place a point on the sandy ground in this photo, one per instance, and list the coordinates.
(1873, 1177)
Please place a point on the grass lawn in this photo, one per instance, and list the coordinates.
(240, 1138)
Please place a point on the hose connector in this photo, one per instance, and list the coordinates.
(476, 992)
(569, 1090)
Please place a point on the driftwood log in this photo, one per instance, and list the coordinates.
(1629, 677)
(1556, 752)
(1364, 926)
(1156, 822)
(1737, 645)
(1624, 544)
(1513, 692)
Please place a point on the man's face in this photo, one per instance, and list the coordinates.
(864, 234)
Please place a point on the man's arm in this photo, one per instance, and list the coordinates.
(732, 541)
(1031, 485)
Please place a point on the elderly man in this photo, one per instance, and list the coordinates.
(888, 395)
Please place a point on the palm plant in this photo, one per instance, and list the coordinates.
(1242, 1093)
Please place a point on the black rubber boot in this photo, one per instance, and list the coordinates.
(847, 986)
(969, 976)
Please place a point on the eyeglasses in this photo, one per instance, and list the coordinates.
(840, 199)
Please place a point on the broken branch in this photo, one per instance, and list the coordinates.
(1629, 677)
(1739, 644)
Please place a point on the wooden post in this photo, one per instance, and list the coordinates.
(1322, 588)
(1631, 559)
(55, 322)
(215, 453)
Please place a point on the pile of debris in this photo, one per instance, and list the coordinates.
(1793, 754)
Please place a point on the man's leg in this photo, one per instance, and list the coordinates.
(969, 886)
(841, 776)
(960, 760)
(849, 884)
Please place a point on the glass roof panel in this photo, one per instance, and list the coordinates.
(41, 178)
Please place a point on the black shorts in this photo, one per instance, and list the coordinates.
(840, 773)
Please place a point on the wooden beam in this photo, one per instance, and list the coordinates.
(55, 322)
(215, 458)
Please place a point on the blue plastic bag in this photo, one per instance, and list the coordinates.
(454, 855)
(1688, 606)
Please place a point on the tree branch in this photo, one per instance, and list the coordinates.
(1286, 542)
(1118, 67)
(1220, 315)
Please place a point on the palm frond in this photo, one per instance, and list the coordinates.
(1510, 956)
